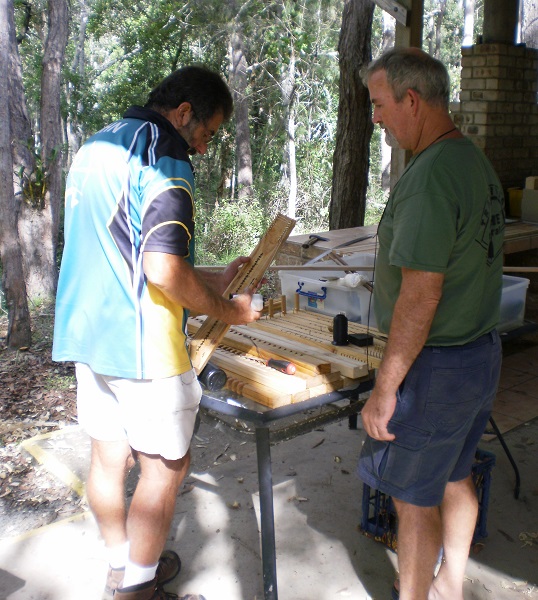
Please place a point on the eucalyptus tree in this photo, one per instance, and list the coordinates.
(40, 178)
(529, 22)
(19, 332)
(352, 152)
(32, 174)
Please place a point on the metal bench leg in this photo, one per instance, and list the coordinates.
(508, 454)
(265, 482)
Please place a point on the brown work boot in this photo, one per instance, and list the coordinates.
(168, 568)
(144, 591)
(150, 591)
(113, 580)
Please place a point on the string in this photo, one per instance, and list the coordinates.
(440, 136)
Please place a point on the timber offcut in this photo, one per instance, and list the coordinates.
(301, 337)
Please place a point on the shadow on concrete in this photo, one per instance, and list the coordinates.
(9, 583)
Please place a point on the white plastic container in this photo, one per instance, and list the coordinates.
(325, 291)
(513, 300)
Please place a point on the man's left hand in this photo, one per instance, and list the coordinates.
(231, 271)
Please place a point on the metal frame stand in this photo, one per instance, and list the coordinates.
(508, 454)
(262, 423)
(263, 426)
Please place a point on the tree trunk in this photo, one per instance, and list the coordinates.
(438, 23)
(289, 167)
(74, 92)
(529, 23)
(468, 23)
(354, 130)
(40, 225)
(389, 33)
(19, 332)
(21, 129)
(238, 83)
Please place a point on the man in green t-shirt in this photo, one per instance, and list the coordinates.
(437, 295)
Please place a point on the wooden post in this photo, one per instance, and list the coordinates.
(500, 22)
(406, 36)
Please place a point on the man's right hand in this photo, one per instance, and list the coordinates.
(244, 301)
(376, 415)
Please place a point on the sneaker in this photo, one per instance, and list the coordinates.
(167, 569)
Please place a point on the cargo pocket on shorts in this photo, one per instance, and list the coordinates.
(401, 463)
(454, 395)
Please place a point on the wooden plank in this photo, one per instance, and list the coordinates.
(348, 368)
(209, 335)
(520, 269)
(315, 267)
(317, 391)
(260, 347)
(396, 10)
(354, 368)
(258, 393)
(315, 380)
(320, 322)
(297, 333)
(248, 368)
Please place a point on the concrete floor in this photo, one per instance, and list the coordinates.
(321, 554)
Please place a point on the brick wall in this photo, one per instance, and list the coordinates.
(498, 107)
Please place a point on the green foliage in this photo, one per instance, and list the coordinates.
(130, 45)
(228, 229)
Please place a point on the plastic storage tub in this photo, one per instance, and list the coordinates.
(513, 300)
(325, 292)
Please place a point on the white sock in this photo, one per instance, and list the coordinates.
(135, 574)
(118, 555)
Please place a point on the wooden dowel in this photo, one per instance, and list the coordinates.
(520, 269)
(314, 267)
(322, 267)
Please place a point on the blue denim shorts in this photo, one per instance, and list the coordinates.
(442, 409)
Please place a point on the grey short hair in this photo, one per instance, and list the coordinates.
(411, 68)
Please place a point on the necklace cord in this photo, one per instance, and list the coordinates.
(442, 135)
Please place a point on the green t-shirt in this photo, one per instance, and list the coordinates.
(445, 215)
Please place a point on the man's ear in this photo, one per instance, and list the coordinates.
(183, 114)
(414, 99)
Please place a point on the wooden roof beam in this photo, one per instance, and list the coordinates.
(396, 10)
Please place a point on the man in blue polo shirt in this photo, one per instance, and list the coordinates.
(127, 281)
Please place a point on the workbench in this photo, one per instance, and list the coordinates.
(287, 417)
(272, 425)
(518, 237)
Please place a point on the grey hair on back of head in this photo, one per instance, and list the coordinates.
(411, 68)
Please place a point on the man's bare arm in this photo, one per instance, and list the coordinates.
(413, 315)
(183, 285)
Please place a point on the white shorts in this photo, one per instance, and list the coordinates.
(156, 416)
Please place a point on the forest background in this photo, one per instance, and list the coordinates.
(68, 69)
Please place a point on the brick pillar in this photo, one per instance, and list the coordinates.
(498, 107)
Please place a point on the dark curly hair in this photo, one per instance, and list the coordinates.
(204, 89)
